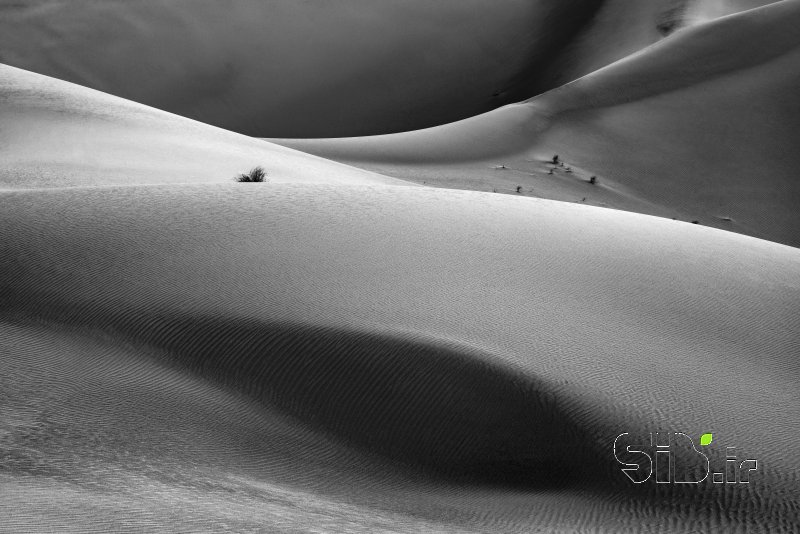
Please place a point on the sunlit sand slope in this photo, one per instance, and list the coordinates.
(56, 134)
(701, 126)
(373, 358)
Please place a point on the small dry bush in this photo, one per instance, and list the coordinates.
(256, 174)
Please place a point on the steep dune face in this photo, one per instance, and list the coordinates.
(282, 68)
(701, 126)
(297, 69)
(56, 134)
(620, 28)
(704, 10)
(395, 348)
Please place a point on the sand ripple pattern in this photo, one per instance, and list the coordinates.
(380, 359)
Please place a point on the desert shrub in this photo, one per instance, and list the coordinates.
(256, 174)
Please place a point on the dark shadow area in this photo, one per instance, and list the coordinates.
(446, 409)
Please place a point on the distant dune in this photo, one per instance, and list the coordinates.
(701, 126)
(288, 68)
(619, 28)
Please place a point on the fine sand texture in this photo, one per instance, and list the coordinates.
(345, 349)
(378, 358)
(56, 134)
(701, 126)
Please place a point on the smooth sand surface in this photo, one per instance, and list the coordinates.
(311, 68)
(381, 359)
(255, 66)
(619, 28)
(700, 126)
(56, 134)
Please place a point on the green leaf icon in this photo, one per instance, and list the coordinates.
(705, 439)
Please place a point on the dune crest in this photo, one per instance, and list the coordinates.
(56, 134)
(700, 126)
(297, 69)
(283, 68)
(341, 350)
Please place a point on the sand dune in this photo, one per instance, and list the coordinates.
(396, 349)
(341, 350)
(701, 126)
(256, 67)
(283, 68)
(619, 28)
(56, 134)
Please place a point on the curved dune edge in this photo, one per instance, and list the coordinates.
(622, 27)
(286, 68)
(622, 321)
(56, 134)
(429, 405)
(700, 126)
(281, 68)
